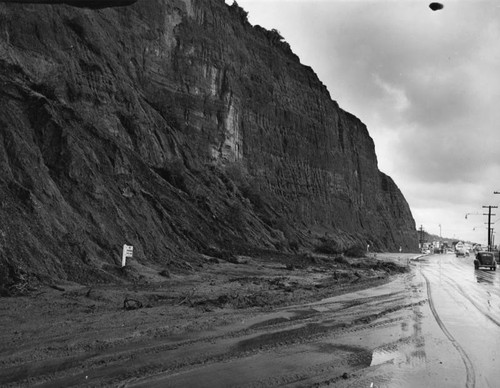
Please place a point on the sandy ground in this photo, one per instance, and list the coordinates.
(160, 327)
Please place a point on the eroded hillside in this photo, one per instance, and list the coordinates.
(176, 127)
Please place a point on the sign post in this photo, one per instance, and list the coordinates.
(128, 251)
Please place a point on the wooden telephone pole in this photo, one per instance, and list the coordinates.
(489, 223)
(421, 233)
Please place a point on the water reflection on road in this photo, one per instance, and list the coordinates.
(466, 304)
(453, 340)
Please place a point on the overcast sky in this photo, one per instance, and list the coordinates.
(426, 84)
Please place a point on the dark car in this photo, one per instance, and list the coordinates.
(485, 259)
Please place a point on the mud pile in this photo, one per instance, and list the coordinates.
(67, 334)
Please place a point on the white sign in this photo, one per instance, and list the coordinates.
(128, 251)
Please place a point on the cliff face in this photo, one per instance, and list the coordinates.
(177, 127)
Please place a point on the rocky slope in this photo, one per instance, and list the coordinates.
(176, 127)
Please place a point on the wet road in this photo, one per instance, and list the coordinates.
(466, 305)
(436, 326)
(458, 341)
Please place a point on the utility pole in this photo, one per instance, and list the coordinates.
(421, 232)
(493, 242)
(489, 223)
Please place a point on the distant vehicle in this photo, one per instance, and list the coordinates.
(485, 259)
(462, 252)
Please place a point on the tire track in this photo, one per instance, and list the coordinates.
(469, 368)
(459, 288)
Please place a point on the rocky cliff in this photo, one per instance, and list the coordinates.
(177, 127)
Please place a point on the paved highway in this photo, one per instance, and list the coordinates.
(465, 303)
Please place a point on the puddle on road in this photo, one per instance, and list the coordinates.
(401, 366)
(405, 356)
(486, 277)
